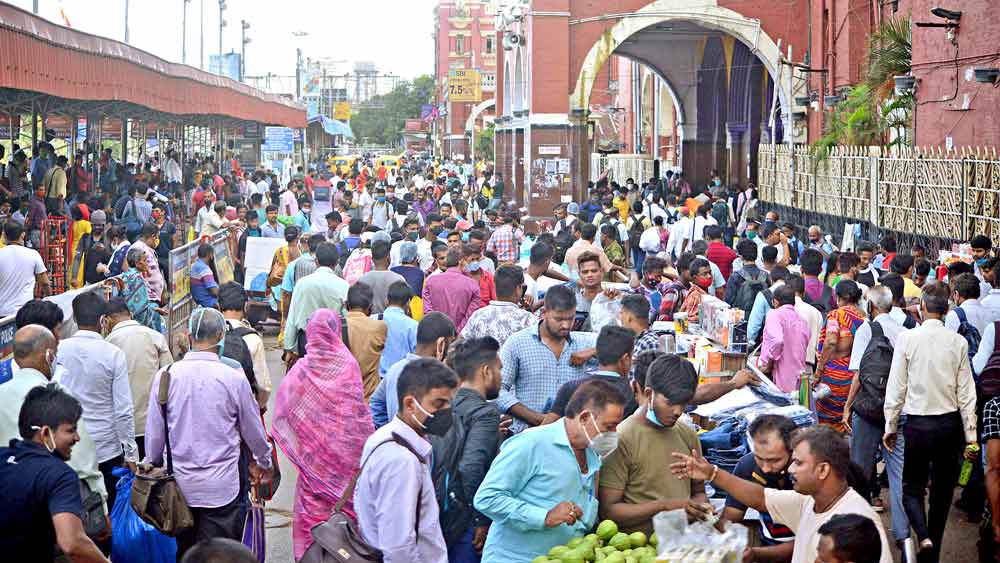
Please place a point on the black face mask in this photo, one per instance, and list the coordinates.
(438, 423)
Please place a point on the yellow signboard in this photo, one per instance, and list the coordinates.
(342, 111)
(464, 85)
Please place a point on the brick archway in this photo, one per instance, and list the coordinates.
(711, 17)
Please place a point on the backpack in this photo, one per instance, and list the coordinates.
(823, 303)
(455, 510)
(989, 378)
(970, 333)
(748, 290)
(482, 202)
(672, 216)
(563, 241)
(358, 264)
(635, 231)
(236, 349)
(343, 254)
(755, 339)
(720, 212)
(873, 375)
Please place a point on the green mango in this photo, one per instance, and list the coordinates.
(574, 542)
(653, 540)
(615, 557)
(592, 538)
(607, 529)
(638, 539)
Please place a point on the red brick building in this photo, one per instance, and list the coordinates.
(465, 39)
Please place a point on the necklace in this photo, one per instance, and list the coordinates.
(833, 502)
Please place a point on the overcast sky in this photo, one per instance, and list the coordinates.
(394, 34)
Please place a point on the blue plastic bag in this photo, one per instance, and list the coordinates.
(132, 539)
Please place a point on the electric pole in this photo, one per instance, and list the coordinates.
(201, 64)
(244, 26)
(184, 36)
(222, 24)
(126, 21)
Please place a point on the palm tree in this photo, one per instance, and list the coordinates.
(870, 111)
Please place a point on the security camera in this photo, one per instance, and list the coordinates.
(953, 15)
(512, 41)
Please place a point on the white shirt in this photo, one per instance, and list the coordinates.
(97, 375)
(173, 171)
(863, 337)
(650, 240)
(986, 345)
(259, 188)
(814, 319)
(388, 491)
(930, 375)
(760, 252)
(566, 223)
(18, 268)
(798, 512)
(536, 287)
(677, 234)
(978, 316)
(991, 301)
(423, 254)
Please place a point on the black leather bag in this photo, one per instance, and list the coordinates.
(95, 518)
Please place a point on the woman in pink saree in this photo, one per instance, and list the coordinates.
(321, 422)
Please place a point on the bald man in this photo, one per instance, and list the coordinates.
(35, 350)
(817, 241)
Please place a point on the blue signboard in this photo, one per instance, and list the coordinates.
(226, 65)
(279, 139)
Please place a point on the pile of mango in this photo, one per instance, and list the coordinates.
(607, 544)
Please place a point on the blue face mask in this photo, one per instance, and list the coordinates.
(981, 262)
(651, 414)
(380, 199)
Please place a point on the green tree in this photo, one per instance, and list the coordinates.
(484, 143)
(383, 125)
(870, 110)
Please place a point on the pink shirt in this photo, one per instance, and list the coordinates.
(288, 202)
(786, 338)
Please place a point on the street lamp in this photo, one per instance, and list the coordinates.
(298, 63)
(244, 26)
(222, 24)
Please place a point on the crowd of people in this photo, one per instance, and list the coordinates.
(452, 385)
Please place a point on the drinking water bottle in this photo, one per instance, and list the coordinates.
(963, 477)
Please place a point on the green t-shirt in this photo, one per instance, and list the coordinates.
(641, 464)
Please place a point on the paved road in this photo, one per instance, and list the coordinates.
(959, 541)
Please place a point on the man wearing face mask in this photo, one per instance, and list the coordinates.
(394, 498)
(40, 504)
(536, 506)
(452, 292)
(435, 332)
(634, 485)
(97, 374)
(767, 466)
(210, 409)
(381, 210)
(472, 265)
(467, 451)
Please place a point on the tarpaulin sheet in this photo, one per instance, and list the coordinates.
(41, 56)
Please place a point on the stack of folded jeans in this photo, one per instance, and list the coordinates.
(725, 444)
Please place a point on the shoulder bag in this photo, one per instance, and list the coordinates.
(156, 497)
(339, 539)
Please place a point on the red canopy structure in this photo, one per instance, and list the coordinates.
(45, 58)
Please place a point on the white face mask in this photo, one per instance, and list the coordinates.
(604, 443)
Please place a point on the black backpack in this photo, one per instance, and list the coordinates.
(823, 303)
(482, 202)
(343, 254)
(873, 376)
(970, 333)
(236, 349)
(748, 290)
(635, 231)
(455, 510)
(564, 240)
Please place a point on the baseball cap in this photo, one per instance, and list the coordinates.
(573, 208)
(98, 217)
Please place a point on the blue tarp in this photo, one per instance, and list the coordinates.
(332, 126)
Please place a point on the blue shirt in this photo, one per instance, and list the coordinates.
(532, 375)
(302, 221)
(278, 231)
(535, 471)
(400, 340)
(384, 403)
(758, 314)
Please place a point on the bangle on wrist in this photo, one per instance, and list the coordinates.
(715, 472)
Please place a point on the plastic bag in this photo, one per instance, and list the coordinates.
(132, 540)
(254, 536)
(700, 541)
(604, 311)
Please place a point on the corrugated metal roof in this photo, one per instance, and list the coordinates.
(41, 56)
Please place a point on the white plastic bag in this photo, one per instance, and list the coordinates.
(604, 311)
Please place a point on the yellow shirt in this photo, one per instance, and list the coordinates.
(623, 208)
(911, 290)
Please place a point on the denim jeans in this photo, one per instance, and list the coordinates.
(463, 551)
(866, 442)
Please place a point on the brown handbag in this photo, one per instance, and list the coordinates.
(338, 539)
(156, 497)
